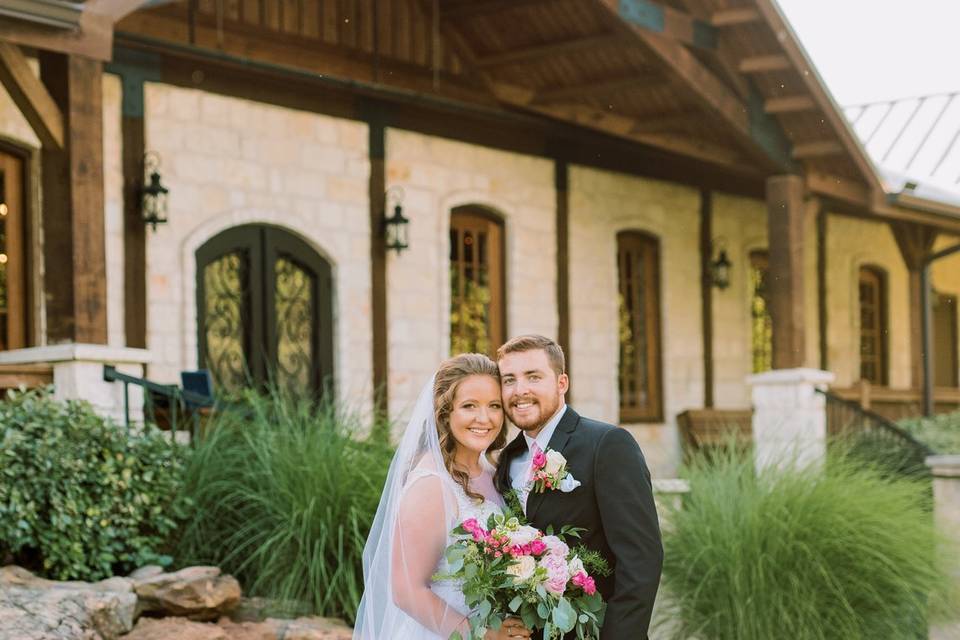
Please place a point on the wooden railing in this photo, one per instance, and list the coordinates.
(30, 376)
(701, 428)
(897, 404)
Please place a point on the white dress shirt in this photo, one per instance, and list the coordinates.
(520, 465)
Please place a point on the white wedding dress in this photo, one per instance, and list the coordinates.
(420, 505)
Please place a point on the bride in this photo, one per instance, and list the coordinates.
(440, 476)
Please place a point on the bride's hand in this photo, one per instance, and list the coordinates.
(511, 629)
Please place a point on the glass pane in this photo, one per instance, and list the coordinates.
(470, 289)
(761, 333)
(225, 319)
(295, 323)
(636, 297)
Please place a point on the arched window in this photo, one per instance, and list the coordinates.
(264, 310)
(13, 263)
(761, 325)
(873, 325)
(477, 305)
(638, 267)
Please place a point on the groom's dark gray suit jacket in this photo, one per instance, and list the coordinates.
(614, 503)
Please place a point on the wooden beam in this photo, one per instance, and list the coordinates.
(786, 239)
(94, 38)
(378, 259)
(599, 87)
(539, 52)
(476, 8)
(703, 87)
(837, 188)
(789, 104)
(706, 292)
(818, 149)
(763, 64)
(667, 122)
(735, 17)
(114, 9)
(664, 20)
(809, 76)
(915, 243)
(562, 189)
(75, 282)
(30, 96)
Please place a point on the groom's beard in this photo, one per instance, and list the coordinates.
(539, 414)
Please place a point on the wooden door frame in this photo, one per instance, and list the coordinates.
(26, 237)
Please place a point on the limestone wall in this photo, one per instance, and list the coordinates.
(113, 208)
(601, 204)
(437, 175)
(229, 162)
(852, 243)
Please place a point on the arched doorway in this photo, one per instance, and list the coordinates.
(264, 310)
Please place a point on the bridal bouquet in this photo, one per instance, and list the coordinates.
(511, 569)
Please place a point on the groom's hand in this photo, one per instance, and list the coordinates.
(511, 629)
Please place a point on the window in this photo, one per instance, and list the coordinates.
(761, 325)
(945, 340)
(873, 326)
(476, 282)
(264, 310)
(638, 265)
(13, 281)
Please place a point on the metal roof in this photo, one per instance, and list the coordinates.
(915, 141)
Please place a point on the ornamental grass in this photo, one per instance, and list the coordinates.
(847, 551)
(285, 491)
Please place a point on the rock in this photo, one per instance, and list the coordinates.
(28, 613)
(18, 576)
(270, 630)
(199, 593)
(175, 629)
(259, 609)
(146, 572)
(314, 628)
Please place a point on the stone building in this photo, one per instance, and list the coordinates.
(665, 186)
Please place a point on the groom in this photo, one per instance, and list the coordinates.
(614, 502)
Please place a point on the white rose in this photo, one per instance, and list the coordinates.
(522, 568)
(523, 535)
(575, 566)
(555, 462)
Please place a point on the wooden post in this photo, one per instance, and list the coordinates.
(561, 183)
(75, 265)
(706, 292)
(785, 222)
(915, 243)
(378, 257)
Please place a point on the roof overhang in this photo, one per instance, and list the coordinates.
(59, 14)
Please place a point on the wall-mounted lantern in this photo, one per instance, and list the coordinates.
(395, 225)
(720, 270)
(153, 194)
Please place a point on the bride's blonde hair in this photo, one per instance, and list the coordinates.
(449, 376)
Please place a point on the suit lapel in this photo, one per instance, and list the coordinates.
(558, 442)
(511, 451)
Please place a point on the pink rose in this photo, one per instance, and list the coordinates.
(557, 574)
(540, 460)
(585, 582)
(556, 546)
(537, 547)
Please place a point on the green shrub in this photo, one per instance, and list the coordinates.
(80, 497)
(286, 492)
(941, 432)
(844, 554)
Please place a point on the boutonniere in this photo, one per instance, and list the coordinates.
(550, 472)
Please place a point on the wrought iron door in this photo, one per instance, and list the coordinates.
(264, 310)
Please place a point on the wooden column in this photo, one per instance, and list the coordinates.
(706, 292)
(785, 226)
(134, 228)
(378, 258)
(561, 184)
(915, 243)
(75, 268)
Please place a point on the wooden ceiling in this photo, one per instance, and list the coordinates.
(723, 81)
